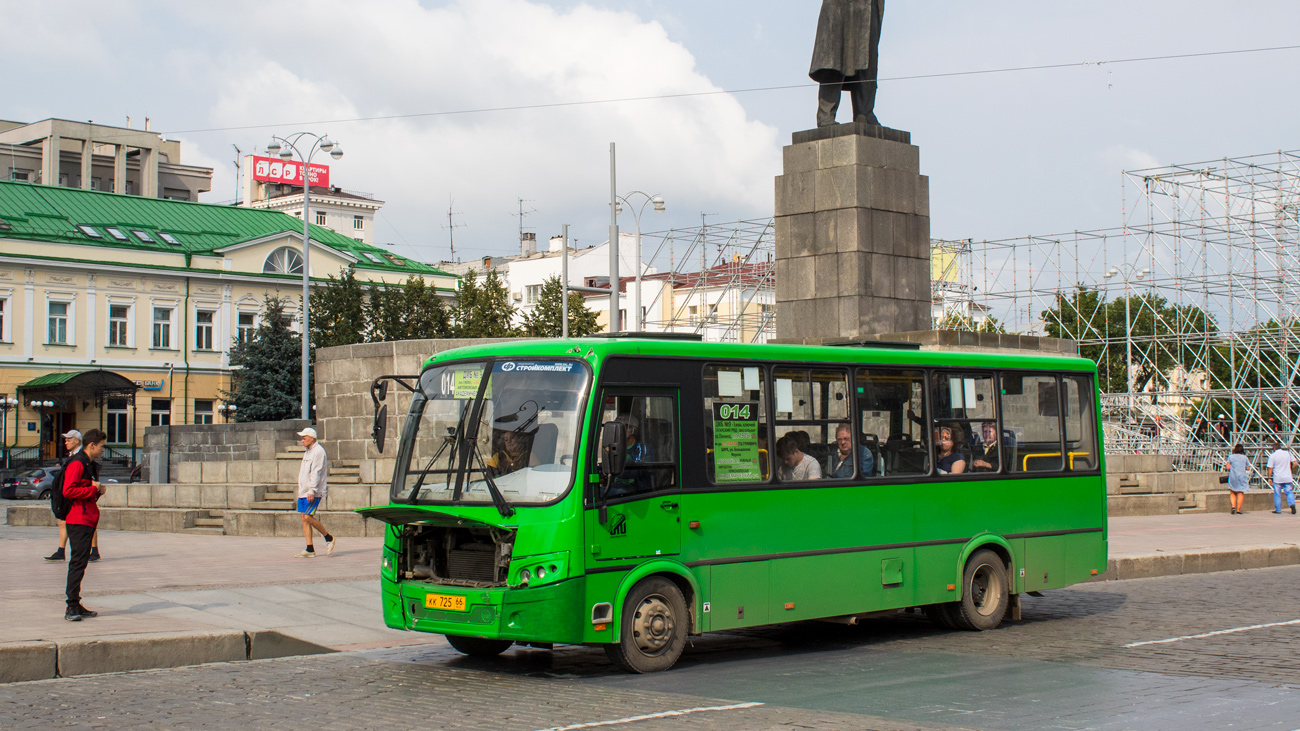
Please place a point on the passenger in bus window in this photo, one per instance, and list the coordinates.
(947, 443)
(635, 479)
(842, 459)
(795, 465)
(987, 458)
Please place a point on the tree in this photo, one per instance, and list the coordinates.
(426, 315)
(266, 383)
(966, 323)
(545, 320)
(484, 311)
(337, 312)
(385, 313)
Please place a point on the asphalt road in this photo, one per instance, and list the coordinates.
(1073, 662)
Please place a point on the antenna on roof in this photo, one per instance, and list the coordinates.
(523, 247)
(238, 154)
(451, 227)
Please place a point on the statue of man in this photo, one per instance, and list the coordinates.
(845, 58)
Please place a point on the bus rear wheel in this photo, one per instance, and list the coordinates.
(986, 593)
(652, 633)
(478, 646)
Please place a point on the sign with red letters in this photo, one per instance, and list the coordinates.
(274, 170)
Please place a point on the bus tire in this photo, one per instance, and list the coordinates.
(478, 646)
(654, 627)
(986, 593)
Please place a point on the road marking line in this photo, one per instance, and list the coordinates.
(1212, 634)
(649, 716)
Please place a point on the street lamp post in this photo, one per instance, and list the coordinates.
(637, 317)
(1128, 273)
(7, 404)
(39, 407)
(290, 149)
(227, 411)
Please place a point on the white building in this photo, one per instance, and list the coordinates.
(344, 212)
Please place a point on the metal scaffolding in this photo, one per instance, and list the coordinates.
(720, 278)
(1191, 307)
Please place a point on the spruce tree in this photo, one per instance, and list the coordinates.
(545, 319)
(266, 382)
(493, 310)
(426, 315)
(385, 314)
(466, 307)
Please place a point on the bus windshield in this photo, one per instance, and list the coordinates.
(516, 433)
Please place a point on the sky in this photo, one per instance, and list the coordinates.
(415, 93)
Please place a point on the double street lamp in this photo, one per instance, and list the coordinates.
(1128, 273)
(7, 404)
(638, 318)
(296, 145)
(39, 407)
(228, 411)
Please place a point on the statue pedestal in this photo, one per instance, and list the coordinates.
(852, 235)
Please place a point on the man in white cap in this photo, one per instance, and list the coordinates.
(312, 477)
(71, 443)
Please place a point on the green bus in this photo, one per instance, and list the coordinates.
(630, 492)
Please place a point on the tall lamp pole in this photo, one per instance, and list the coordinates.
(1128, 273)
(305, 153)
(637, 317)
(7, 404)
(40, 407)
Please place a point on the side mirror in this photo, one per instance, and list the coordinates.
(381, 427)
(383, 390)
(613, 448)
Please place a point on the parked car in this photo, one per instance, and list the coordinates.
(32, 484)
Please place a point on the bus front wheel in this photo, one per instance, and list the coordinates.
(653, 630)
(478, 646)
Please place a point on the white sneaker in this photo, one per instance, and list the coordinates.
(306, 554)
(329, 547)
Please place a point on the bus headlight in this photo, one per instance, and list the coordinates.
(538, 570)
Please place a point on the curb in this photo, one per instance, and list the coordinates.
(42, 660)
(1177, 564)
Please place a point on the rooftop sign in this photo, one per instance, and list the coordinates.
(271, 170)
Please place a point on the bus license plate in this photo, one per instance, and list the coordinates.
(445, 602)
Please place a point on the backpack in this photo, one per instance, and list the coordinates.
(59, 503)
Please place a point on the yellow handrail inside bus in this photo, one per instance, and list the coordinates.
(1025, 466)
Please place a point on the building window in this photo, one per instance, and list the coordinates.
(119, 319)
(320, 218)
(359, 223)
(63, 180)
(247, 325)
(203, 331)
(162, 327)
(96, 183)
(3, 304)
(58, 323)
(23, 175)
(115, 421)
(160, 412)
(283, 261)
(532, 294)
(202, 411)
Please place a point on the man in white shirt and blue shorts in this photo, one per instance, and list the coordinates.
(312, 477)
(1279, 464)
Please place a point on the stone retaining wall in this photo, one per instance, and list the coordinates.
(217, 444)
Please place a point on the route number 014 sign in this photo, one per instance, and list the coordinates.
(735, 442)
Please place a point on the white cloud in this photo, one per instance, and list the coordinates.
(396, 57)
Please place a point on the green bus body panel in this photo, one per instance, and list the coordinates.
(763, 555)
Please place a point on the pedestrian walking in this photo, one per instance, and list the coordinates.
(1280, 465)
(81, 486)
(1238, 468)
(72, 443)
(312, 477)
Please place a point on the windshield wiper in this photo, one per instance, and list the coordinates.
(498, 499)
(451, 434)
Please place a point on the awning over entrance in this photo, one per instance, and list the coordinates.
(77, 385)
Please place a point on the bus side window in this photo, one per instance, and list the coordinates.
(1031, 413)
(811, 405)
(891, 421)
(1080, 424)
(964, 407)
(735, 418)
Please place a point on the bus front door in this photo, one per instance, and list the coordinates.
(642, 511)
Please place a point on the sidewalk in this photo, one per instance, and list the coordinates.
(170, 582)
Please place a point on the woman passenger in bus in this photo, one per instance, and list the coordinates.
(947, 445)
(515, 454)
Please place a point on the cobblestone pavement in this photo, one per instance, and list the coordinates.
(1064, 666)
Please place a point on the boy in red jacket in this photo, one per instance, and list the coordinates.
(81, 486)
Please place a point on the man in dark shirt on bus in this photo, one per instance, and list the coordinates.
(635, 478)
(842, 460)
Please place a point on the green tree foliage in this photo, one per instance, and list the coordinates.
(957, 321)
(337, 311)
(545, 320)
(385, 314)
(484, 310)
(266, 383)
(1163, 336)
(426, 315)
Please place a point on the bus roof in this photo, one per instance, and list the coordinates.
(605, 347)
